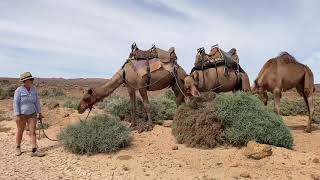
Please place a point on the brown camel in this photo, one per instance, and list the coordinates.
(282, 73)
(217, 76)
(158, 79)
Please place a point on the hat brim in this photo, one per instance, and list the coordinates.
(27, 79)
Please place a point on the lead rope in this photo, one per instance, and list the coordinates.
(44, 133)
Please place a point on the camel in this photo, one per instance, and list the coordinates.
(127, 75)
(282, 73)
(217, 76)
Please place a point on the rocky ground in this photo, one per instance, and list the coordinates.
(153, 155)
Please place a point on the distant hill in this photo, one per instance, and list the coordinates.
(317, 87)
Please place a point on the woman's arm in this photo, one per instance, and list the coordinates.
(38, 106)
(16, 103)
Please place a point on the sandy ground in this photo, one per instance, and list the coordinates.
(151, 156)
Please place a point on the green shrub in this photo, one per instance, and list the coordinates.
(246, 118)
(297, 107)
(100, 134)
(161, 107)
(71, 104)
(169, 94)
(52, 92)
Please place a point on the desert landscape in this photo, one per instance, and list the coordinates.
(151, 155)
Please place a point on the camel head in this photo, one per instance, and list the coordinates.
(87, 101)
(258, 91)
(191, 86)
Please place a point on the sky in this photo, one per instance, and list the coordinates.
(92, 38)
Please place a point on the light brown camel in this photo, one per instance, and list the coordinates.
(282, 73)
(159, 79)
(216, 77)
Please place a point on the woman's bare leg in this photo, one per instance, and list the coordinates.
(32, 123)
(21, 124)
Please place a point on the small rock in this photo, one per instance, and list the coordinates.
(180, 165)
(245, 175)
(302, 162)
(125, 168)
(234, 165)
(315, 160)
(175, 148)
(167, 124)
(66, 115)
(257, 151)
(219, 163)
(315, 177)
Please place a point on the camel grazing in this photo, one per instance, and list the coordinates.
(166, 75)
(211, 72)
(282, 73)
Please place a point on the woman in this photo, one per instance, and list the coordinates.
(27, 108)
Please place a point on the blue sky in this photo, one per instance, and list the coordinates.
(92, 38)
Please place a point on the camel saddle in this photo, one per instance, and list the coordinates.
(154, 52)
(218, 56)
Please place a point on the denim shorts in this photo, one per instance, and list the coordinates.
(27, 117)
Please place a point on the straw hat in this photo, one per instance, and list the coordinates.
(25, 76)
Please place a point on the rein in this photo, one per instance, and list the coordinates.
(44, 133)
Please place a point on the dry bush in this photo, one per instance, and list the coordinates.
(196, 124)
(8, 91)
(242, 117)
(52, 92)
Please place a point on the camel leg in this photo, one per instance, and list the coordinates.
(308, 99)
(132, 94)
(311, 111)
(146, 105)
(277, 97)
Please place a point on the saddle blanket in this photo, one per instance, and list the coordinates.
(140, 66)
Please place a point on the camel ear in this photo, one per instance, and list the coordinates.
(90, 91)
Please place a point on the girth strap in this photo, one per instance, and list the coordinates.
(148, 73)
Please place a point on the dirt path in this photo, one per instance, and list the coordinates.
(151, 157)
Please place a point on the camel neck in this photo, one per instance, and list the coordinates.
(106, 89)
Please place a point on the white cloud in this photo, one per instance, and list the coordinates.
(64, 38)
